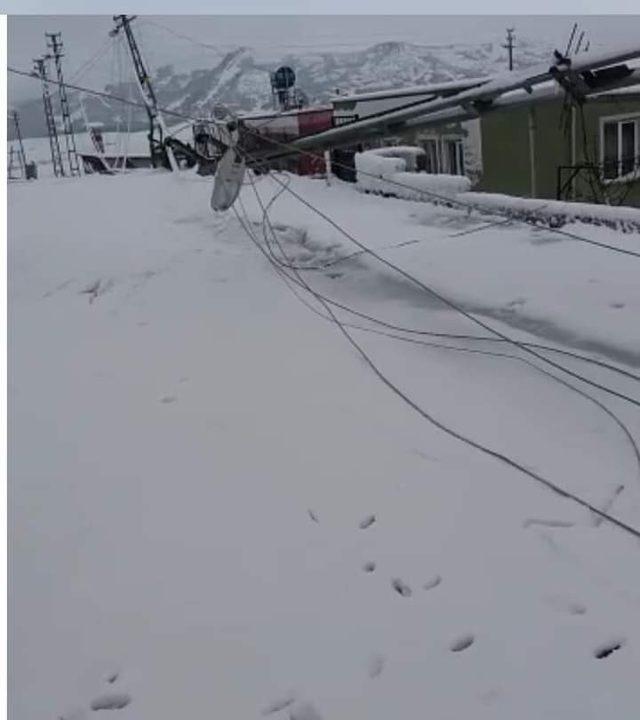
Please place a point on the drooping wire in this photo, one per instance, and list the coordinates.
(439, 197)
(284, 264)
(425, 414)
(451, 304)
(183, 36)
(445, 199)
(457, 336)
(184, 116)
(102, 94)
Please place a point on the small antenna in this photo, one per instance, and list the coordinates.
(579, 43)
(509, 45)
(573, 33)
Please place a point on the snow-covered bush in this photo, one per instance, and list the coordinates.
(408, 153)
(384, 171)
(556, 212)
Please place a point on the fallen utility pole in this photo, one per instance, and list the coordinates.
(54, 41)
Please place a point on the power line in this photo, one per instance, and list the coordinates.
(184, 116)
(453, 305)
(287, 264)
(466, 337)
(421, 191)
(445, 199)
(429, 417)
(104, 95)
(183, 36)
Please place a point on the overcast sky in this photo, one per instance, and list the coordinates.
(326, 7)
(273, 36)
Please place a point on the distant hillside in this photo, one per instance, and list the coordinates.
(240, 81)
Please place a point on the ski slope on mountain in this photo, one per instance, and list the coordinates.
(217, 509)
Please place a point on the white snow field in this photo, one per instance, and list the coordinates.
(218, 510)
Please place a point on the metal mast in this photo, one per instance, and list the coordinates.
(21, 156)
(157, 129)
(54, 144)
(509, 45)
(54, 41)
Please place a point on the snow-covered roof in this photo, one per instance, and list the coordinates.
(266, 114)
(410, 90)
(631, 90)
(392, 150)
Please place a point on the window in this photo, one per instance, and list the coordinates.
(620, 152)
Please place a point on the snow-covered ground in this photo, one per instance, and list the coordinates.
(216, 508)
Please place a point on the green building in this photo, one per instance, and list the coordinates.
(554, 150)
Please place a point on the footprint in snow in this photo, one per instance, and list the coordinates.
(111, 701)
(433, 583)
(462, 643)
(367, 522)
(313, 516)
(369, 567)
(92, 290)
(616, 305)
(112, 678)
(400, 587)
(168, 399)
(607, 648)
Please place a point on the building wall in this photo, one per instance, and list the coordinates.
(593, 112)
(505, 148)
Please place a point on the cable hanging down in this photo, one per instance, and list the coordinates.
(453, 305)
(414, 405)
(524, 346)
(446, 199)
(504, 458)
(293, 150)
(299, 282)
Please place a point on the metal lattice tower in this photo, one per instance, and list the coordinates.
(22, 160)
(54, 41)
(10, 166)
(54, 144)
(160, 154)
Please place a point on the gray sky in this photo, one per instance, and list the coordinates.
(327, 6)
(273, 36)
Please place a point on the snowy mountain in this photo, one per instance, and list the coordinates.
(240, 78)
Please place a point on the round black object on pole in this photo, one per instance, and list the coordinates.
(284, 78)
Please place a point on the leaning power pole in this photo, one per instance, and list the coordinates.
(54, 41)
(160, 153)
(509, 45)
(40, 65)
